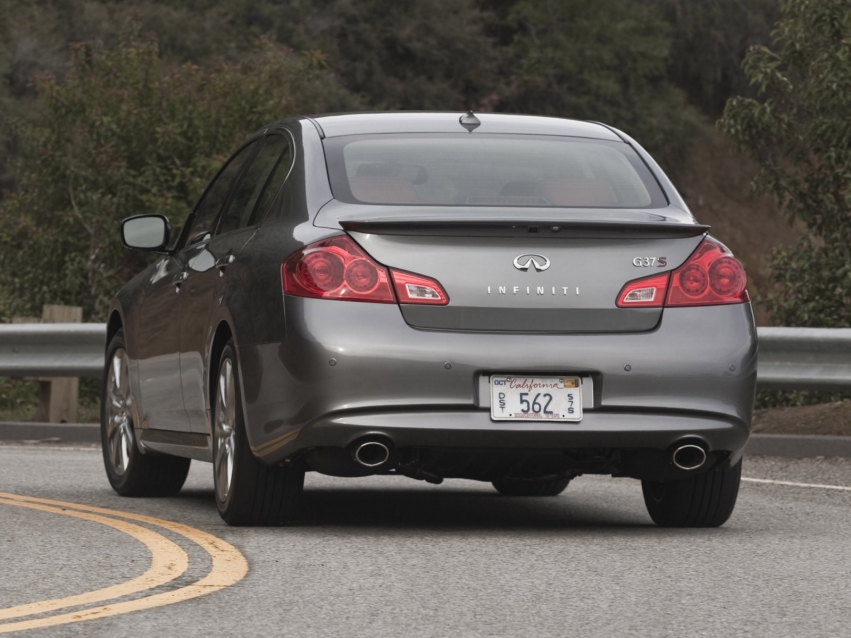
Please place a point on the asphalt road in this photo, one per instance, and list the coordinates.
(395, 557)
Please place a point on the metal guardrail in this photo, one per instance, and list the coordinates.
(52, 349)
(789, 358)
(804, 359)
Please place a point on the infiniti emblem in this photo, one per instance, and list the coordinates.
(523, 262)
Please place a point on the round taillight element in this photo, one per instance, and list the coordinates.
(321, 271)
(727, 277)
(693, 280)
(361, 276)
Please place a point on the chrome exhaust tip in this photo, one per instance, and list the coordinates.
(372, 454)
(689, 457)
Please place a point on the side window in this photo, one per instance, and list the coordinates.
(273, 185)
(244, 200)
(204, 218)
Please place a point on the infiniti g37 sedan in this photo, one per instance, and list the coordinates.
(509, 299)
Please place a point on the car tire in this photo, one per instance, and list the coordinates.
(522, 487)
(130, 472)
(704, 500)
(248, 492)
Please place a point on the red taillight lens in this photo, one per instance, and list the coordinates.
(336, 268)
(711, 276)
(412, 288)
(693, 280)
(648, 292)
(320, 271)
(362, 276)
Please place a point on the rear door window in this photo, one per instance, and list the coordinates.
(273, 185)
(240, 208)
(203, 220)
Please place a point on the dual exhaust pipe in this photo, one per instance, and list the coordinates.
(371, 454)
(689, 457)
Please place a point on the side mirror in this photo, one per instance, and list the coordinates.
(145, 232)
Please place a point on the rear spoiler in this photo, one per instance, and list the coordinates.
(518, 228)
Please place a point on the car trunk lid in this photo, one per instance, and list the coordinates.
(551, 272)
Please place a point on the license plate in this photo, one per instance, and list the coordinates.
(536, 398)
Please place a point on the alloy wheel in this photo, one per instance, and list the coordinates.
(119, 413)
(225, 430)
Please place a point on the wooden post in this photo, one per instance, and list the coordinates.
(59, 396)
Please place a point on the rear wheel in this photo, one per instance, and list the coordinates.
(247, 491)
(704, 500)
(130, 472)
(522, 487)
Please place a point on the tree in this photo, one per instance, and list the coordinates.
(709, 40)
(798, 131)
(424, 55)
(125, 134)
(599, 60)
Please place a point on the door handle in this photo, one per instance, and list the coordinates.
(224, 262)
(179, 279)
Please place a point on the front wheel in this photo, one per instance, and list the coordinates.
(704, 500)
(247, 491)
(130, 472)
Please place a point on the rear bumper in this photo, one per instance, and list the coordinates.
(475, 429)
(351, 369)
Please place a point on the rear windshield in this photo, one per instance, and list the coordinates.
(489, 170)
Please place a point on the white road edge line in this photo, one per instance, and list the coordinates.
(791, 484)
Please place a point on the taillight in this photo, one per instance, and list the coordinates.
(337, 268)
(412, 288)
(710, 276)
(648, 292)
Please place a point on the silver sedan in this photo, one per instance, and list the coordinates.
(511, 299)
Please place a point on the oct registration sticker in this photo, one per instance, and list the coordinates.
(536, 398)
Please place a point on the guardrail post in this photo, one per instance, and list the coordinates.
(58, 397)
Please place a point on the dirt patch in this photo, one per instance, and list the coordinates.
(830, 419)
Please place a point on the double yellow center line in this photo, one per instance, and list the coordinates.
(168, 562)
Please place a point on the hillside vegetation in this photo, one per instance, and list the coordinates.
(116, 108)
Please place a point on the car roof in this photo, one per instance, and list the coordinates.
(334, 125)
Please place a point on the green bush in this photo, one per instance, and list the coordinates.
(798, 131)
(18, 399)
(813, 282)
